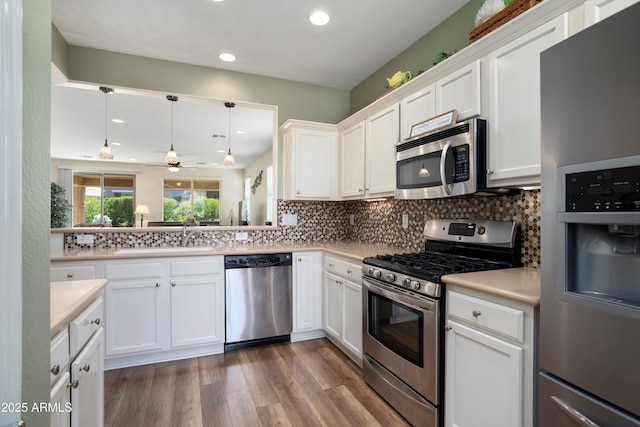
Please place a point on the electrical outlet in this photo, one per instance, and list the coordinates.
(351, 219)
(289, 219)
(405, 220)
(242, 235)
(84, 239)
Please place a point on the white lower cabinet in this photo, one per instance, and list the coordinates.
(307, 296)
(163, 309)
(87, 384)
(489, 368)
(342, 304)
(77, 371)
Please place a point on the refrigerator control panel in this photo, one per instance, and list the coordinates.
(606, 190)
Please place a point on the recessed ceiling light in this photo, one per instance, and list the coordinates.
(115, 143)
(240, 132)
(214, 164)
(218, 1)
(133, 160)
(117, 120)
(227, 57)
(221, 151)
(319, 18)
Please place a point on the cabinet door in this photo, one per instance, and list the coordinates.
(460, 91)
(333, 305)
(417, 108)
(597, 10)
(352, 317)
(383, 133)
(483, 380)
(61, 402)
(87, 395)
(352, 161)
(314, 163)
(134, 315)
(307, 291)
(197, 311)
(514, 103)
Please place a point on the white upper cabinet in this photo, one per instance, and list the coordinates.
(352, 161)
(514, 105)
(383, 132)
(597, 10)
(416, 108)
(367, 155)
(311, 158)
(460, 90)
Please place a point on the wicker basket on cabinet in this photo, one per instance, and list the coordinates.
(505, 15)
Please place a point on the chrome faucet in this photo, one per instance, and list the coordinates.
(186, 234)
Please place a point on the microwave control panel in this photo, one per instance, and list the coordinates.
(607, 190)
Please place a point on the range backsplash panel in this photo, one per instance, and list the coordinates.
(375, 222)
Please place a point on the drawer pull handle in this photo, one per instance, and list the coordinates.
(349, 272)
(96, 322)
(299, 259)
(86, 368)
(55, 370)
(157, 285)
(448, 328)
(73, 384)
(69, 275)
(476, 313)
(330, 265)
(173, 284)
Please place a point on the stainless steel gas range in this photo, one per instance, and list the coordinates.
(403, 310)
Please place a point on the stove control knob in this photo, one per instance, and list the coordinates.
(415, 284)
(390, 277)
(370, 271)
(377, 274)
(406, 283)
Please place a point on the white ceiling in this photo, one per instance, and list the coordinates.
(269, 37)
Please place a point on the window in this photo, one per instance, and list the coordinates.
(183, 198)
(100, 199)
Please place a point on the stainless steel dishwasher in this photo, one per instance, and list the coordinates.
(258, 299)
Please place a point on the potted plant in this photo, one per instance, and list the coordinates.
(60, 207)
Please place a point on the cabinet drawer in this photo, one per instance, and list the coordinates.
(128, 271)
(498, 318)
(75, 272)
(203, 267)
(343, 268)
(59, 356)
(84, 325)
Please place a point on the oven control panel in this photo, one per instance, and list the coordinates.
(402, 281)
(607, 190)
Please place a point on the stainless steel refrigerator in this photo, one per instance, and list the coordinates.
(590, 246)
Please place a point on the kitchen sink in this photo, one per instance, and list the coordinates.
(177, 249)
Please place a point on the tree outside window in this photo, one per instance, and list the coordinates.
(183, 198)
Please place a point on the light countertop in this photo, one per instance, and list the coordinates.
(356, 251)
(518, 284)
(68, 299)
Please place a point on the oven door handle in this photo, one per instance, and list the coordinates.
(416, 303)
(443, 163)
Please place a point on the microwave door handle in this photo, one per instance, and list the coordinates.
(443, 162)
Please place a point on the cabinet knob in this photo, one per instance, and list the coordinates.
(173, 284)
(73, 384)
(476, 313)
(69, 275)
(299, 259)
(360, 190)
(349, 272)
(95, 322)
(330, 265)
(157, 285)
(86, 368)
(55, 370)
(447, 328)
(489, 172)
(297, 192)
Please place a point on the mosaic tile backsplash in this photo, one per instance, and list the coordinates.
(375, 222)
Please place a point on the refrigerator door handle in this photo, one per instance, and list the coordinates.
(573, 413)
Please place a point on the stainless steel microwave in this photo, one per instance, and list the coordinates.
(446, 163)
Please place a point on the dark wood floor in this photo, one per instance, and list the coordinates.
(309, 383)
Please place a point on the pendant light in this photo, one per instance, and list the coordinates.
(105, 152)
(173, 163)
(229, 160)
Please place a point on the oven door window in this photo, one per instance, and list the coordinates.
(397, 326)
(424, 171)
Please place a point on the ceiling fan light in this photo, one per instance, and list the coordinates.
(174, 167)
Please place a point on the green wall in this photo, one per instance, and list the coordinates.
(35, 206)
(294, 100)
(451, 35)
